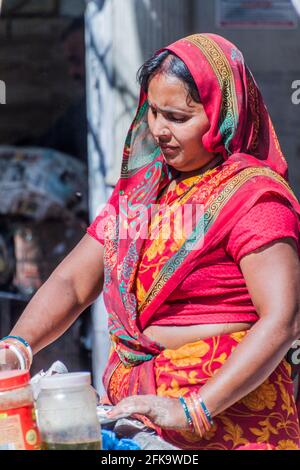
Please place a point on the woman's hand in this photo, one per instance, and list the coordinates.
(163, 411)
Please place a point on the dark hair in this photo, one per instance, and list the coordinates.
(75, 25)
(173, 66)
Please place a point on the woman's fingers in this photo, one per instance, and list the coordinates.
(165, 412)
(131, 405)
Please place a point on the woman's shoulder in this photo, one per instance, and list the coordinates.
(271, 218)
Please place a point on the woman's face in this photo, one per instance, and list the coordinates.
(177, 123)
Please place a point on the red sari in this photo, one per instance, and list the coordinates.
(241, 131)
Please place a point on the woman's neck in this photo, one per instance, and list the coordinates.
(217, 160)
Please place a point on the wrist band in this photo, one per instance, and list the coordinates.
(18, 354)
(24, 342)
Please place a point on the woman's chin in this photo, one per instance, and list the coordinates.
(173, 162)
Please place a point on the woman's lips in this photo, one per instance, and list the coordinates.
(169, 151)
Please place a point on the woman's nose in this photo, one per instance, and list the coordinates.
(161, 131)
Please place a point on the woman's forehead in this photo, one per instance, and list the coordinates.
(169, 91)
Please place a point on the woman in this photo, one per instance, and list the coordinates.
(201, 313)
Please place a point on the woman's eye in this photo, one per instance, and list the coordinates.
(177, 119)
(170, 117)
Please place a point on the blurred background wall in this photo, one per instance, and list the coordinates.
(38, 66)
(33, 65)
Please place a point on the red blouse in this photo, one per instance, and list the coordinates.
(216, 292)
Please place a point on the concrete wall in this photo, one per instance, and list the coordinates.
(274, 58)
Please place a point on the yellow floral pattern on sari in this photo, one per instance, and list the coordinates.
(262, 398)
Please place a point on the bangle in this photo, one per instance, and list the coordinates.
(197, 417)
(201, 420)
(187, 413)
(207, 413)
(20, 351)
(24, 342)
(18, 354)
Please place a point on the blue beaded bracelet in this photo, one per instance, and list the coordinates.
(207, 413)
(187, 413)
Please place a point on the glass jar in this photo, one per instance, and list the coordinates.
(67, 413)
(18, 427)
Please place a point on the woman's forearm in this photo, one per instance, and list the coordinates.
(49, 314)
(250, 364)
(72, 287)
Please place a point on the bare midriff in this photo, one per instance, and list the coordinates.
(173, 337)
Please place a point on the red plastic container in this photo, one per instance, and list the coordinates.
(18, 427)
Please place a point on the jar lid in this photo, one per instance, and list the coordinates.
(73, 379)
(13, 379)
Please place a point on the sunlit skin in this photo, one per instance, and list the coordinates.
(178, 123)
